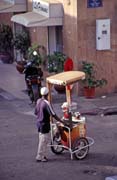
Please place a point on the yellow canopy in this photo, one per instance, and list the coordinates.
(66, 78)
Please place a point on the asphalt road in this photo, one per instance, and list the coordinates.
(18, 146)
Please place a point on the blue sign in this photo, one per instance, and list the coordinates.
(94, 3)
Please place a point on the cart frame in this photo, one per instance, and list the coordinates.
(67, 79)
(69, 148)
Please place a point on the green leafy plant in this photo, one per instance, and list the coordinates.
(34, 54)
(6, 37)
(90, 76)
(56, 62)
(21, 41)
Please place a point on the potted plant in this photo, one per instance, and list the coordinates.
(56, 65)
(90, 82)
(56, 62)
(34, 54)
(6, 49)
(21, 43)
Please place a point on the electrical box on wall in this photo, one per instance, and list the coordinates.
(103, 34)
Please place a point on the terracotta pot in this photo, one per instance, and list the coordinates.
(59, 88)
(6, 58)
(20, 66)
(89, 92)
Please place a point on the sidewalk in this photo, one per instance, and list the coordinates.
(12, 85)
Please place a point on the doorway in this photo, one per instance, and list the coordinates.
(55, 39)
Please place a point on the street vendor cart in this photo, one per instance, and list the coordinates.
(71, 134)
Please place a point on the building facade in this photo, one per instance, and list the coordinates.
(82, 29)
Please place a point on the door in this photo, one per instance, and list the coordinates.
(55, 40)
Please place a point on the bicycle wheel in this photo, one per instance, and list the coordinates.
(81, 147)
(56, 145)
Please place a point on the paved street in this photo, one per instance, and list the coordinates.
(18, 135)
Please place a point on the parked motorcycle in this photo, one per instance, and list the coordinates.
(33, 78)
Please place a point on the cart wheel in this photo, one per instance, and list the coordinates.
(83, 144)
(57, 146)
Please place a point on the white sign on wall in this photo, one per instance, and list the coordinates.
(16, 1)
(103, 34)
(10, 1)
(41, 7)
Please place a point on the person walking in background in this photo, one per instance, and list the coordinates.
(68, 64)
(43, 110)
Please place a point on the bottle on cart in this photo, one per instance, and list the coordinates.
(77, 115)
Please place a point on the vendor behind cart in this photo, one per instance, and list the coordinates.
(44, 111)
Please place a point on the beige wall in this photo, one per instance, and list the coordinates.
(6, 18)
(105, 60)
(39, 35)
(70, 29)
(29, 5)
